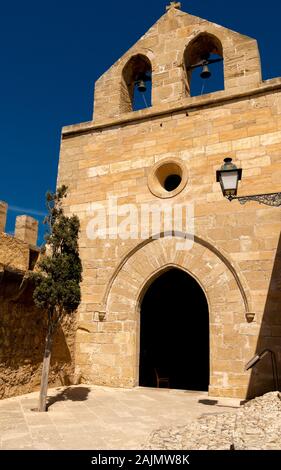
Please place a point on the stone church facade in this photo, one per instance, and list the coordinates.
(126, 156)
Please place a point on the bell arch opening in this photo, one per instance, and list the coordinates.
(203, 64)
(174, 333)
(136, 84)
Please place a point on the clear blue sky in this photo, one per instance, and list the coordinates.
(52, 53)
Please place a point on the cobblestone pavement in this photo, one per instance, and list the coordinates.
(91, 417)
(255, 426)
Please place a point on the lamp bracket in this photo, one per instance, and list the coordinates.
(271, 199)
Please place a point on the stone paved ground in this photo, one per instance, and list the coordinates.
(90, 417)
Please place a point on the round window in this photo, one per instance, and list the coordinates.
(167, 178)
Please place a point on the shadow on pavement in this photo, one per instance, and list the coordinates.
(69, 393)
(208, 402)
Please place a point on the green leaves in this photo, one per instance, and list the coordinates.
(60, 272)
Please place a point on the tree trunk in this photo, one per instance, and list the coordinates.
(45, 371)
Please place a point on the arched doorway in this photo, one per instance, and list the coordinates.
(174, 333)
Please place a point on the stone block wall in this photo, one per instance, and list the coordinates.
(22, 325)
(117, 162)
(22, 342)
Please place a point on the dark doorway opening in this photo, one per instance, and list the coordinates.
(174, 333)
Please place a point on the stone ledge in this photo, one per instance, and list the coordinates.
(189, 104)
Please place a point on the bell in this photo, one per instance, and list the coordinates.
(141, 86)
(205, 72)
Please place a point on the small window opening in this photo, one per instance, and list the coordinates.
(33, 258)
(172, 182)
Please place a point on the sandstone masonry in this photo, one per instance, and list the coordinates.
(22, 326)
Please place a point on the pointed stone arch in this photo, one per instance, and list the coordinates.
(178, 237)
(226, 297)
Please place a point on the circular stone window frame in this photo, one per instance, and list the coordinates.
(160, 172)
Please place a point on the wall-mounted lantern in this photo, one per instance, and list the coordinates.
(228, 177)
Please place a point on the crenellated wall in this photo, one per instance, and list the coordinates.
(16, 251)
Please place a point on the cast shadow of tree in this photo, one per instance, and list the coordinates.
(69, 393)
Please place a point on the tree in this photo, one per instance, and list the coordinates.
(58, 279)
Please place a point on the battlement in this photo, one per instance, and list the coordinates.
(18, 251)
(26, 228)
